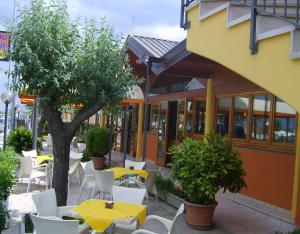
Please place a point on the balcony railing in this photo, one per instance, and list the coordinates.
(183, 16)
(286, 10)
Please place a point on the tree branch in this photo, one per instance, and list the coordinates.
(83, 115)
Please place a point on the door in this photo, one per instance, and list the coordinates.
(171, 128)
(162, 134)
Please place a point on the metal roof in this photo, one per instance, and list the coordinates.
(154, 46)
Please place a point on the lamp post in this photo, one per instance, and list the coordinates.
(6, 97)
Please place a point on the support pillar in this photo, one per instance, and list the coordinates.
(296, 195)
(209, 112)
(139, 147)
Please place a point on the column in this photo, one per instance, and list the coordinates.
(209, 113)
(139, 147)
(296, 197)
(102, 124)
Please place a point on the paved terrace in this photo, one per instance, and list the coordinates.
(230, 216)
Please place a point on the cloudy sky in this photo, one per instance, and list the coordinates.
(156, 18)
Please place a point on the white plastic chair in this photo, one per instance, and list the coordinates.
(29, 171)
(129, 195)
(81, 147)
(74, 165)
(31, 153)
(104, 181)
(149, 184)
(136, 165)
(88, 179)
(46, 225)
(169, 224)
(46, 205)
(76, 155)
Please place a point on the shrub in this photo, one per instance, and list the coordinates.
(204, 167)
(8, 163)
(97, 141)
(20, 139)
(163, 185)
(3, 216)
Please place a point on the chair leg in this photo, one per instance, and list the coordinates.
(80, 195)
(29, 185)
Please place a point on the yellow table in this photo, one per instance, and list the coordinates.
(43, 158)
(120, 172)
(100, 218)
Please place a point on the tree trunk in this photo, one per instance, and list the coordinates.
(61, 151)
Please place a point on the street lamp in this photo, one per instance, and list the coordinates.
(6, 97)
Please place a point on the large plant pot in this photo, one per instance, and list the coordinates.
(99, 163)
(199, 216)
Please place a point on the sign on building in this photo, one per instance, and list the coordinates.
(4, 45)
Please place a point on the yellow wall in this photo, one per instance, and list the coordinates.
(271, 68)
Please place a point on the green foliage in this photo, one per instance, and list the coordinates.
(204, 167)
(20, 139)
(8, 163)
(163, 184)
(66, 63)
(97, 141)
(3, 216)
(29, 228)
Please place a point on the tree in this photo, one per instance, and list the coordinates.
(63, 64)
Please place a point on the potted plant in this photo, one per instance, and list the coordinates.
(203, 168)
(97, 145)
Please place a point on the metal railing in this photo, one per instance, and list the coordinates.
(183, 14)
(286, 10)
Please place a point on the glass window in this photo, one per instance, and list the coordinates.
(284, 123)
(240, 117)
(162, 129)
(189, 106)
(189, 123)
(154, 119)
(261, 117)
(223, 111)
(200, 117)
(180, 120)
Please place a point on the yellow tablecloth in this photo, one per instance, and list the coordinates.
(120, 171)
(100, 218)
(43, 158)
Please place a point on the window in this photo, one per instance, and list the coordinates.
(261, 117)
(240, 117)
(200, 117)
(154, 118)
(162, 130)
(284, 123)
(189, 118)
(223, 113)
(180, 120)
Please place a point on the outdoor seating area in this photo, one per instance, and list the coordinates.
(126, 123)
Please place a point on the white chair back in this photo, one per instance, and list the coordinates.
(26, 166)
(88, 168)
(136, 165)
(75, 155)
(45, 203)
(130, 195)
(49, 140)
(179, 212)
(73, 165)
(44, 225)
(81, 147)
(31, 153)
(104, 181)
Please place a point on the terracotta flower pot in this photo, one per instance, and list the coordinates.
(199, 216)
(99, 162)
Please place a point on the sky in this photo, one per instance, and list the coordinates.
(156, 18)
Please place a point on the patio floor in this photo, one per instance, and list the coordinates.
(230, 216)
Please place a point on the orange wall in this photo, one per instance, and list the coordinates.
(269, 176)
(152, 146)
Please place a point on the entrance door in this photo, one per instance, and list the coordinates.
(172, 125)
(162, 136)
